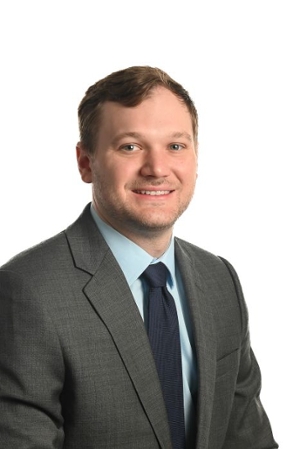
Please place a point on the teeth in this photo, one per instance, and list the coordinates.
(154, 192)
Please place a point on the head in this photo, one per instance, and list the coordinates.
(128, 87)
(138, 148)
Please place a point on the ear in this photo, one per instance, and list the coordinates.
(84, 163)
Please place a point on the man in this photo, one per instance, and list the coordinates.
(87, 357)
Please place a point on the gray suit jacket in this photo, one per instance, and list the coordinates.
(76, 369)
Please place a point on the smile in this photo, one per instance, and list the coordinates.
(154, 192)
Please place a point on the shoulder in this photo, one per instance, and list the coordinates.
(42, 261)
(61, 262)
(52, 252)
(199, 256)
(36, 269)
(43, 253)
(215, 271)
(205, 261)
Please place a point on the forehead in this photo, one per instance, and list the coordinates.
(161, 109)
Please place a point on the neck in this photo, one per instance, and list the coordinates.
(154, 241)
(155, 245)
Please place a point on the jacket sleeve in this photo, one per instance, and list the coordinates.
(249, 425)
(31, 370)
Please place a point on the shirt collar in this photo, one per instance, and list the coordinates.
(132, 259)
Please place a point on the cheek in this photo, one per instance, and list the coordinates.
(187, 173)
(115, 176)
(122, 172)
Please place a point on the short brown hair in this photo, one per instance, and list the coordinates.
(128, 87)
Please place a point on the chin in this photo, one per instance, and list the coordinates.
(154, 224)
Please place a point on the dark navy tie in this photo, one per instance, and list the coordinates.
(163, 332)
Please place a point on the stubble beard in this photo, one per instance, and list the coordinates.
(129, 221)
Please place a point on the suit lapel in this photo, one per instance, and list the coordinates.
(112, 300)
(197, 293)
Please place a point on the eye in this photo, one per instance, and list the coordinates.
(176, 146)
(129, 147)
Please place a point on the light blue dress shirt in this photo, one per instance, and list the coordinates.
(133, 261)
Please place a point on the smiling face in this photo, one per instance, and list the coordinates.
(144, 166)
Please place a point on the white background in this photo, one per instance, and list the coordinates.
(239, 60)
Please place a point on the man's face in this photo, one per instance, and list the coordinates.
(144, 166)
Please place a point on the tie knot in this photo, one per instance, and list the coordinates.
(156, 275)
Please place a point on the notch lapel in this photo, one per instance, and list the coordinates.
(112, 300)
(197, 293)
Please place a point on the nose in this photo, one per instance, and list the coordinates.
(155, 163)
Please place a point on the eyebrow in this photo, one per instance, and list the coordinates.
(135, 135)
(127, 134)
(178, 135)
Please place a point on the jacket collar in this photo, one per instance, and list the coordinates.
(194, 274)
(116, 307)
(107, 290)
